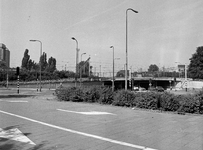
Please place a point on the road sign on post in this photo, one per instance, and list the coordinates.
(186, 85)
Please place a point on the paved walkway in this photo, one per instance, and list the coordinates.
(80, 126)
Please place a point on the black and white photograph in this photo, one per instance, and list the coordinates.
(101, 75)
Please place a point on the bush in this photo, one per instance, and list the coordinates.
(107, 96)
(148, 100)
(169, 102)
(123, 98)
(70, 94)
(92, 94)
(193, 104)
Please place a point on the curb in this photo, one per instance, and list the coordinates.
(15, 96)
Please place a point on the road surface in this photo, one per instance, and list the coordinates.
(42, 123)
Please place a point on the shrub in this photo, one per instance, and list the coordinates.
(148, 100)
(169, 102)
(92, 94)
(70, 94)
(196, 105)
(107, 95)
(123, 98)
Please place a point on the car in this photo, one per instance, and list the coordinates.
(135, 88)
(156, 89)
(141, 89)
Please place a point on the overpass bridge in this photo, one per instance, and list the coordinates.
(145, 82)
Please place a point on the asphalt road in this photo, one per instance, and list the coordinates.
(49, 124)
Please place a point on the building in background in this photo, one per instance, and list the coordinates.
(5, 54)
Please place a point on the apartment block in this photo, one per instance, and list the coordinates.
(4, 54)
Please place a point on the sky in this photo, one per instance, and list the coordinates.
(163, 32)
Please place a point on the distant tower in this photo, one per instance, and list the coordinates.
(5, 54)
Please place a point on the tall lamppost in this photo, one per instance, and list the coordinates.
(81, 69)
(76, 68)
(126, 68)
(40, 63)
(113, 69)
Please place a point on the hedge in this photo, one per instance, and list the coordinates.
(163, 101)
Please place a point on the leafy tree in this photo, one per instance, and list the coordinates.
(51, 67)
(43, 61)
(3, 65)
(153, 68)
(27, 63)
(121, 73)
(84, 66)
(32, 65)
(25, 60)
(91, 67)
(195, 69)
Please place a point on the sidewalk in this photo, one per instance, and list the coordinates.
(25, 92)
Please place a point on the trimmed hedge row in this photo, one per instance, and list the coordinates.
(148, 100)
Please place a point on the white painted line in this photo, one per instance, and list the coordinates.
(81, 133)
(15, 101)
(18, 101)
(16, 135)
(87, 113)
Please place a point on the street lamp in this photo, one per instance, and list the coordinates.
(113, 69)
(76, 68)
(81, 69)
(126, 68)
(40, 74)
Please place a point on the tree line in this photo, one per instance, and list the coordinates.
(30, 69)
(194, 69)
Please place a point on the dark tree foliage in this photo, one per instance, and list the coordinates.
(32, 65)
(51, 66)
(121, 73)
(3, 65)
(27, 63)
(195, 69)
(91, 73)
(84, 67)
(153, 68)
(25, 59)
(43, 61)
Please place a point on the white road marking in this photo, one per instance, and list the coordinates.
(15, 101)
(88, 113)
(81, 133)
(16, 135)
(18, 101)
